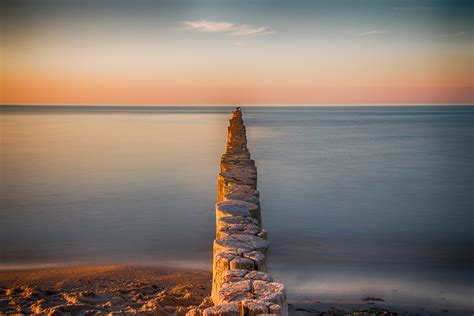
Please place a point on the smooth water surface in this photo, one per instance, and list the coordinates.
(358, 201)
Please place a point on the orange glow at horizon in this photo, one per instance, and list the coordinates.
(367, 81)
(73, 58)
(69, 91)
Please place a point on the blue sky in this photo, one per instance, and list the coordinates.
(252, 51)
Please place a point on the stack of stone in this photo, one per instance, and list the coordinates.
(240, 282)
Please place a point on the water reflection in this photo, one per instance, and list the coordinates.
(357, 201)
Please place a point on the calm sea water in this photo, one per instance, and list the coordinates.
(358, 201)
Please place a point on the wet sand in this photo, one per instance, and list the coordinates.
(147, 290)
(103, 290)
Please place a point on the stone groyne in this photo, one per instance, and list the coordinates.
(240, 283)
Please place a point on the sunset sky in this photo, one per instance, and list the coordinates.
(236, 52)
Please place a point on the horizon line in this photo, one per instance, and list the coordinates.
(243, 104)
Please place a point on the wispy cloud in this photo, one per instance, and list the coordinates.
(414, 8)
(456, 34)
(370, 33)
(227, 27)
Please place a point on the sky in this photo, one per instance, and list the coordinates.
(147, 52)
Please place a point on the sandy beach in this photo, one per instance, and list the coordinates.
(144, 290)
(104, 290)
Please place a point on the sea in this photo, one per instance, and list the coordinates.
(359, 201)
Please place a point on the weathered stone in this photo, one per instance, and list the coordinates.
(234, 220)
(236, 208)
(235, 292)
(240, 284)
(234, 275)
(233, 208)
(275, 309)
(223, 180)
(240, 189)
(263, 234)
(220, 264)
(257, 275)
(243, 157)
(240, 229)
(246, 198)
(241, 244)
(259, 259)
(243, 172)
(237, 160)
(230, 309)
(271, 292)
(254, 307)
(242, 263)
(242, 197)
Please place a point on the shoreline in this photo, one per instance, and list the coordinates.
(151, 289)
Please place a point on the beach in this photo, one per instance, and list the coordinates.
(121, 289)
(143, 290)
(103, 289)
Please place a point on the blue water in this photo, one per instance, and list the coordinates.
(358, 201)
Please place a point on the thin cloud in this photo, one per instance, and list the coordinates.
(454, 34)
(209, 26)
(370, 33)
(414, 8)
(227, 27)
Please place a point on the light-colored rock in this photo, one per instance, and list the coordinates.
(240, 244)
(236, 208)
(275, 309)
(242, 263)
(271, 292)
(235, 292)
(235, 220)
(220, 264)
(230, 309)
(237, 229)
(254, 307)
(258, 275)
(240, 282)
(259, 258)
(240, 188)
(242, 197)
(234, 275)
(252, 199)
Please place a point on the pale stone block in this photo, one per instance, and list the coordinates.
(235, 292)
(230, 309)
(254, 307)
